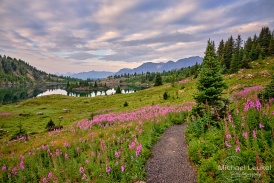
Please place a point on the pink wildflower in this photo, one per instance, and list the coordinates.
(14, 170)
(108, 169)
(4, 168)
(81, 170)
(50, 175)
(258, 104)
(227, 144)
(92, 154)
(132, 145)
(237, 149)
(261, 125)
(242, 124)
(22, 165)
(66, 156)
(254, 134)
(139, 149)
(230, 118)
(117, 154)
(123, 168)
(44, 180)
(86, 161)
(228, 136)
(245, 134)
(84, 177)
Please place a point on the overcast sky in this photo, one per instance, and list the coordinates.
(83, 35)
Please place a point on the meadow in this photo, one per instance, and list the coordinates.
(103, 140)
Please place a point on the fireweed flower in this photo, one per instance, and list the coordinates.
(66, 156)
(14, 170)
(245, 134)
(258, 104)
(50, 175)
(4, 168)
(261, 125)
(108, 169)
(237, 149)
(117, 154)
(139, 149)
(254, 134)
(44, 180)
(123, 168)
(81, 170)
(22, 165)
(230, 118)
(227, 144)
(132, 145)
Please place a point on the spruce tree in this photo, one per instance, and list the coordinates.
(271, 47)
(210, 85)
(220, 53)
(228, 53)
(158, 80)
(235, 63)
(118, 90)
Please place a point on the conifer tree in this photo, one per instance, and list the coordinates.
(271, 47)
(118, 90)
(228, 53)
(220, 52)
(235, 63)
(264, 41)
(158, 80)
(210, 84)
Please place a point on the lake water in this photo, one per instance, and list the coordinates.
(82, 94)
(15, 94)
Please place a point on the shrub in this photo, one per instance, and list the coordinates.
(50, 125)
(125, 104)
(165, 96)
(20, 133)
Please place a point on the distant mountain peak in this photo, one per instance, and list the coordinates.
(162, 66)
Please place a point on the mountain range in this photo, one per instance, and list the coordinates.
(145, 67)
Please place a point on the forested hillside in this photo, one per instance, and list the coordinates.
(18, 72)
(235, 54)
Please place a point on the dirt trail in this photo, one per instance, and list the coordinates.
(169, 162)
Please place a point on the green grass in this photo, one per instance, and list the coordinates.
(82, 108)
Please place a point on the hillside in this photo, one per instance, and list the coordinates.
(79, 142)
(18, 72)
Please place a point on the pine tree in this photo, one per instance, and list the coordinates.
(271, 47)
(235, 63)
(158, 80)
(264, 41)
(118, 90)
(228, 53)
(220, 52)
(210, 84)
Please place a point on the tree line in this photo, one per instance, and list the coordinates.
(235, 54)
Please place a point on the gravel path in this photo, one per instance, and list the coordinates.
(169, 162)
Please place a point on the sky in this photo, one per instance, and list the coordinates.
(108, 35)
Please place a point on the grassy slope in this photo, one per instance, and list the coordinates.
(52, 106)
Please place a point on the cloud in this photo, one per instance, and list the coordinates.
(171, 38)
(65, 33)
